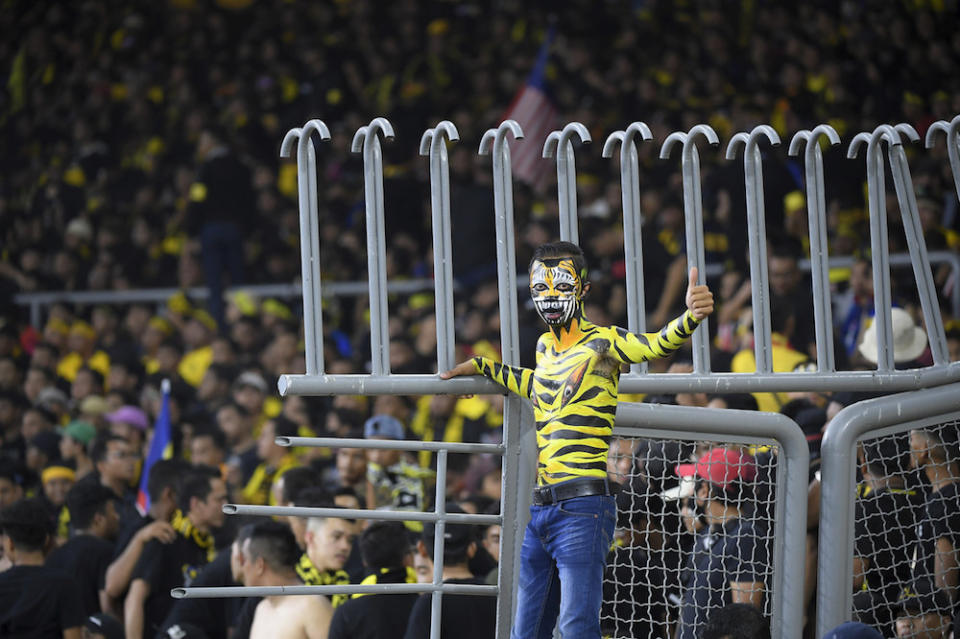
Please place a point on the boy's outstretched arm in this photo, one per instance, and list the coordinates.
(514, 378)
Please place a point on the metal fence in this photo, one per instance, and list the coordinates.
(641, 420)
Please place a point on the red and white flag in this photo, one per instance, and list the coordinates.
(534, 111)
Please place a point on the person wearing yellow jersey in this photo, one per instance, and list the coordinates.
(197, 335)
(574, 395)
(784, 357)
(81, 342)
(276, 461)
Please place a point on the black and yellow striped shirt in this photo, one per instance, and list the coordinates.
(574, 392)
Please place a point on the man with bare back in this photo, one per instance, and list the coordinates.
(270, 558)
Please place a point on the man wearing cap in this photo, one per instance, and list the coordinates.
(909, 341)
(131, 423)
(922, 613)
(392, 481)
(462, 616)
(251, 391)
(730, 558)
(574, 391)
(74, 446)
(276, 461)
(935, 559)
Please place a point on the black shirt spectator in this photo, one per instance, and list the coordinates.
(940, 519)
(463, 616)
(86, 557)
(384, 548)
(213, 616)
(36, 601)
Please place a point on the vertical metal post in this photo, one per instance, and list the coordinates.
(879, 246)
(367, 141)
(433, 143)
(952, 131)
(494, 143)
(440, 507)
(560, 144)
(817, 224)
(693, 218)
(756, 224)
(910, 214)
(632, 224)
(309, 237)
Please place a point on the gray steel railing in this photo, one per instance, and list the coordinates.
(519, 447)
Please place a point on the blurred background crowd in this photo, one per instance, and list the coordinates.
(140, 149)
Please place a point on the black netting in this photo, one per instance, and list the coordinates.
(662, 577)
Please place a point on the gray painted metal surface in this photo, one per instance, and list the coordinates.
(837, 492)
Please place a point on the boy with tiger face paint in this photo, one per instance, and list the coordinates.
(573, 390)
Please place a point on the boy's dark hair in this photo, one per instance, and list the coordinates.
(166, 473)
(86, 499)
(98, 451)
(384, 544)
(553, 251)
(26, 523)
(298, 479)
(736, 621)
(212, 431)
(275, 543)
(196, 485)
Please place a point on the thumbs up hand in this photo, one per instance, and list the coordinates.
(699, 298)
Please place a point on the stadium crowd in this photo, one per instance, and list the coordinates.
(141, 150)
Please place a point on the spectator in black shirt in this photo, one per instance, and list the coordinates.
(35, 600)
(938, 535)
(86, 555)
(162, 487)
(886, 516)
(387, 558)
(463, 616)
(923, 614)
(116, 464)
(163, 567)
(730, 558)
(742, 621)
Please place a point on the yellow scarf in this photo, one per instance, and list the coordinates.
(182, 524)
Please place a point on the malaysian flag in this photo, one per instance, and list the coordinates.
(536, 114)
(161, 447)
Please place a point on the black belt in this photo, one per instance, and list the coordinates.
(546, 495)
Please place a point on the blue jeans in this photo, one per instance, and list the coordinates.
(561, 568)
(222, 246)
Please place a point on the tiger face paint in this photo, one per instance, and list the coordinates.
(556, 289)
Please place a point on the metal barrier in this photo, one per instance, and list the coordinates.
(518, 446)
(873, 418)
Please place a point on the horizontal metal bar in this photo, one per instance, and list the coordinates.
(353, 513)
(631, 383)
(389, 444)
(224, 592)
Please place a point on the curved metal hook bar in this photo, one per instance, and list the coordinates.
(496, 137)
(734, 143)
(860, 139)
(799, 138)
(950, 129)
(380, 124)
(357, 145)
(611, 143)
(448, 128)
(677, 137)
(319, 126)
(828, 131)
(706, 131)
(563, 137)
(907, 131)
(287, 145)
(425, 141)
